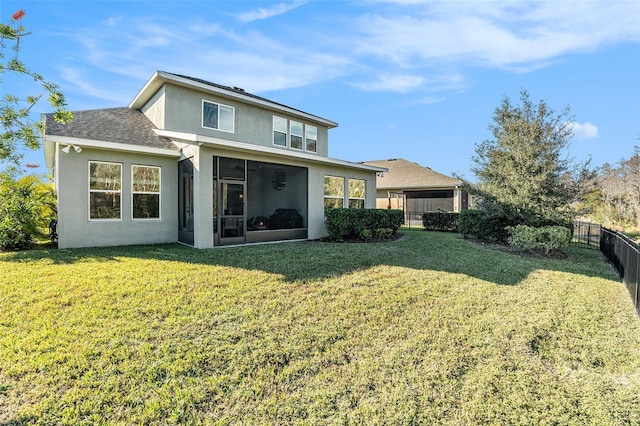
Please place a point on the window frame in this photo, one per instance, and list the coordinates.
(307, 128)
(104, 191)
(219, 121)
(293, 123)
(279, 130)
(134, 192)
(354, 198)
(333, 197)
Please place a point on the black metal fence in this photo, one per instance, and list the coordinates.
(586, 233)
(624, 255)
(413, 219)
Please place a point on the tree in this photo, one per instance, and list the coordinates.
(618, 200)
(18, 129)
(522, 169)
(26, 204)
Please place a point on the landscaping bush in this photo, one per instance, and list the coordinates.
(25, 209)
(384, 233)
(483, 225)
(543, 239)
(438, 221)
(350, 224)
(366, 235)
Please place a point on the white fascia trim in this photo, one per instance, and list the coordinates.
(264, 150)
(160, 77)
(114, 146)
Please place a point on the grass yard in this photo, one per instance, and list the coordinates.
(428, 329)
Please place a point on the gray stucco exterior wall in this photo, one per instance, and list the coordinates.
(74, 227)
(183, 113)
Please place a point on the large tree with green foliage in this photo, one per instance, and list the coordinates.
(524, 168)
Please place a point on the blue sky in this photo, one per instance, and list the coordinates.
(403, 78)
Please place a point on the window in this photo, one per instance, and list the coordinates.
(145, 192)
(356, 193)
(279, 131)
(333, 191)
(105, 190)
(311, 137)
(218, 116)
(295, 129)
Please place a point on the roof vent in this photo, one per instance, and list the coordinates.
(238, 89)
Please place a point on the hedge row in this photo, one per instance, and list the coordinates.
(356, 224)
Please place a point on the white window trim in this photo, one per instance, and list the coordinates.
(103, 191)
(304, 140)
(273, 131)
(344, 189)
(301, 136)
(288, 134)
(151, 219)
(349, 197)
(233, 121)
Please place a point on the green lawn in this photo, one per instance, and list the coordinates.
(428, 329)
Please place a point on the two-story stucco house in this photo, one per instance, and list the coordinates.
(195, 162)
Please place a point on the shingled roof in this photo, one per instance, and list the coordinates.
(406, 174)
(120, 125)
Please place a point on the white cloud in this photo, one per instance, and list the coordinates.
(507, 35)
(392, 83)
(400, 46)
(584, 131)
(268, 12)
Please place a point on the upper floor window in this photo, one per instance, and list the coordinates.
(218, 116)
(145, 192)
(311, 138)
(105, 190)
(356, 193)
(298, 135)
(295, 128)
(279, 131)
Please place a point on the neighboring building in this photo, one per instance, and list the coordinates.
(198, 163)
(417, 189)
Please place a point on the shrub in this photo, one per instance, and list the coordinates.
(438, 221)
(543, 239)
(344, 224)
(366, 235)
(483, 225)
(26, 208)
(384, 233)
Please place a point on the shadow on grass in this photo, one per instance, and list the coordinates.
(311, 260)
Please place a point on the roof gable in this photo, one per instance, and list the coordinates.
(407, 174)
(118, 125)
(160, 78)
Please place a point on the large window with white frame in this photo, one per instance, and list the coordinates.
(145, 192)
(295, 130)
(294, 134)
(218, 116)
(311, 138)
(333, 192)
(356, 193)
(279, 131)
(105, 191)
